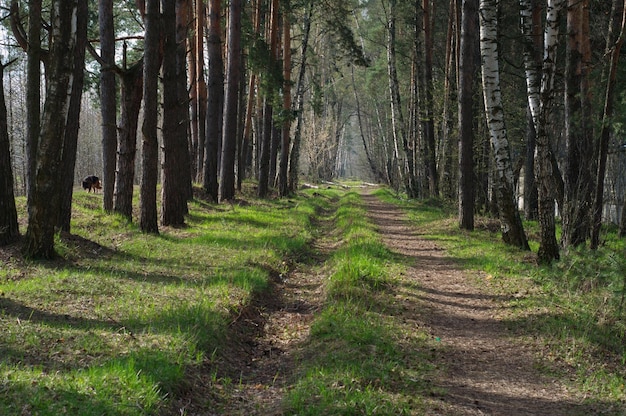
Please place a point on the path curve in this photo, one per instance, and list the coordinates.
(486, 369)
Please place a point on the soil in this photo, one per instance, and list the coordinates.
(484, 367)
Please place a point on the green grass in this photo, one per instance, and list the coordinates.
(361, 358)
(574, 309)
(113, 326)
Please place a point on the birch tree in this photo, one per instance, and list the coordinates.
(511, 223)
(544, 168)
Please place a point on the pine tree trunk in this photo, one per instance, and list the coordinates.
(9, 228)
(131, 96)
(467, 74)
(44, 204)
(283, 187)
(33, 91)
(70, 142)
(614, 43)
(108, 102)
(295, 149)
(173, 206)
(215, 102)
(148, 221)
(578, 140)
(231, 103)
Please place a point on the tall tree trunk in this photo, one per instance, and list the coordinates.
(405, 160)
(448, 184)
(130, 98)
(231, 104)
(297, 138)
(614, 42)
(511, 223)
(283, 186)
(215, 102)
(201, 88)
(268, 125)
(578, 173)
(43, 207)
(531, 27)
(467, 75)
(428, 124)
(108, 102)
(544, 167)
(70, 142)
(173, 195)
(33, 91)
(148, 221)
(183, 23)
(9, 227)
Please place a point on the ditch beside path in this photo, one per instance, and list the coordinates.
(484, 368)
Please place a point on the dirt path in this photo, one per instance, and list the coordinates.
(486, 369)
(483, 368)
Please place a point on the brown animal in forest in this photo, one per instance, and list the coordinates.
(91, 182)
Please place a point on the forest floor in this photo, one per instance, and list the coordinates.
(482, 366)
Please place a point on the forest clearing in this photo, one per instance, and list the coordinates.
(330, 302)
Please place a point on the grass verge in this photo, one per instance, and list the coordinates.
(574, 310)
(113, 326)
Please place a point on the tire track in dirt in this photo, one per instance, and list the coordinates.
(485, 369)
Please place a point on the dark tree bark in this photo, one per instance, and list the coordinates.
(294, 158)
(70, 142)
(108, 101)
(131, 96)
(148, 222)
(467, 79)
(428, 124)
(33, 91)
(231, 104)
(268, 125)
(9, 228)
(215, 101)
(614, 42)
(173, 196)
(183, 154)
(200, 88)
(44, 205)
(578, 137)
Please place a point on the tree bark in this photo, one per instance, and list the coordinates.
(231, 103)
(283, 185)
(297, 138)
(614, 42)
(467, 74)
(428, 124)
(70, 142)
(43, 207)
(33, 91)
(578, 174)
(9, 227)
(544, 166)
(173, 196)
(131, 96)
(215, 102)
(108, 102)
(503, 185)
(148, 221)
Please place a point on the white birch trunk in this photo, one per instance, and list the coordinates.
(512, 230)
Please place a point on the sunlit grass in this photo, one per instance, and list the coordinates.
(575, 308)
(361, 358)
(112, 326)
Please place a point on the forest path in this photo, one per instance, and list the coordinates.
(486, 369)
